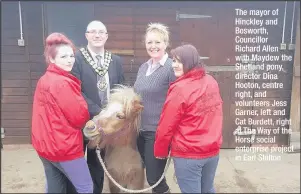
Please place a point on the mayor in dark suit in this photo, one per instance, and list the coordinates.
(99, 70)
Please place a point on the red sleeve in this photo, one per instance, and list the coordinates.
(172, 112)
(72, 104)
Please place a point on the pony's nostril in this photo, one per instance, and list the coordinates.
(91, 127)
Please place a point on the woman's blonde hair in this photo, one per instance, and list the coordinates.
(158, 28)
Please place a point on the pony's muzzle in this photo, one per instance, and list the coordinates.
(90, 130)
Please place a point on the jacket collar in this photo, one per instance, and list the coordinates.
(194, 74)
(57, 70)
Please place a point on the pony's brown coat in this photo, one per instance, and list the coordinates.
(122, 158)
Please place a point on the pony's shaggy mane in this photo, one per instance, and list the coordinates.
(127, 96)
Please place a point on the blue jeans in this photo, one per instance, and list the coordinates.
(76, 171)
(196, 175)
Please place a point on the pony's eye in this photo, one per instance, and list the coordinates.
(119, 116)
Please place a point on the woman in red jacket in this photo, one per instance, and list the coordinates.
(59, 113)
(191, 123)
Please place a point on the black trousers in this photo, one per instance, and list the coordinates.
(96, 171)
(154, 167)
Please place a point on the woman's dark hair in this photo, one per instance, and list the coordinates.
(188, 55)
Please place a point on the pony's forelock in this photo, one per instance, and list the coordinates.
(126, 96)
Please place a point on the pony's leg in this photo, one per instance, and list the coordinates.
(137, 181)
(116, 176)
(113, 187)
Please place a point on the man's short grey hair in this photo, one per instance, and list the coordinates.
(95, 22)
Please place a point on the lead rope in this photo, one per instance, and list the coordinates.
(129, 190)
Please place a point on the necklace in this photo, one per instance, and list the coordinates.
(101, 71)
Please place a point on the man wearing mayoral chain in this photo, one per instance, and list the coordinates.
(99, 70)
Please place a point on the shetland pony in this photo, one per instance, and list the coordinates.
(115, 129)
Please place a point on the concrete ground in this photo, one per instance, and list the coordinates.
(23, 172)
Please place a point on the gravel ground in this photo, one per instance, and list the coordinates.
(22, 172)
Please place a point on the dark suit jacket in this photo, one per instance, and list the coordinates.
(88, 77)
